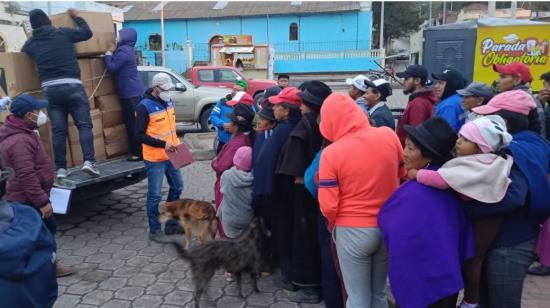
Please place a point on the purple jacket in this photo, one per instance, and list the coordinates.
(21, 150)
(122, 65)
(428, 238)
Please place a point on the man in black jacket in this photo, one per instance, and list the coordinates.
(53, 51)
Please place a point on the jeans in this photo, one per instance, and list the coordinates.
(129, 114)
(363, 260)
(155, 177)
(63, 100)
(506, 268)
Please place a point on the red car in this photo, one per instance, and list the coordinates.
(225, 76)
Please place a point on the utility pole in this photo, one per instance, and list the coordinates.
(382, 51)
(430, 15)
(444, 12)
(49, 8)
(514, 9)
(162, 32)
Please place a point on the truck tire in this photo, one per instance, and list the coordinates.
(206, 125)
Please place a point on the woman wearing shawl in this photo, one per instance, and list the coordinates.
(267, 186)
(242, 134)
(525, 206)
(425, 229)
(296, 155)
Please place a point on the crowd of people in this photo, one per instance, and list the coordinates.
(453, 197)
(452, 200)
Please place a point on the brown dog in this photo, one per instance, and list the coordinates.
(194, 216)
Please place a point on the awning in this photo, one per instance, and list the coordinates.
(237, 49)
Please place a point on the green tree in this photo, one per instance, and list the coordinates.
(400, 18)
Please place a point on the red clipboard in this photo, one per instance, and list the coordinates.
(181, 157)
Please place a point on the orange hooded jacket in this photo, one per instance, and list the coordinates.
(360, 169)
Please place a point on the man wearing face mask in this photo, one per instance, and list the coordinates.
(22, 151)
(156, 131)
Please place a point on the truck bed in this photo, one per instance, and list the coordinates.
(115, 173)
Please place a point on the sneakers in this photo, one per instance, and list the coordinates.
(158, 237)
(62, 271)
(62, 173)
(90, 168)
(538, 270)
(305, 295)
(284, 284)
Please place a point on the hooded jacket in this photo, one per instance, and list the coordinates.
(236, 210)
(451, 110)
(219, 116)
(419, 109)
(122, 65)
(27, 251)
(21, 150)
(53, 51)
(360, 169)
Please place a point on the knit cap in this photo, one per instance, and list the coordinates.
(243, 158)
(488, 132)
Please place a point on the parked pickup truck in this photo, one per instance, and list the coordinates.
(193, 103)
(225, 76)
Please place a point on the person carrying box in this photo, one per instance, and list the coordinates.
(53, 51)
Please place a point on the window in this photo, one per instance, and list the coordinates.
(155, 42)
(228, 76)
(293, 33)
(206, 75)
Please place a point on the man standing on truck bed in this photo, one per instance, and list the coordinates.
(53, 51)
(156, 130)
(22, 151)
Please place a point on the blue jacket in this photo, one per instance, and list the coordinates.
(382, 116)
(122, 65)
(451, 110)
(53, 51)
(218, 117)
(27, 251)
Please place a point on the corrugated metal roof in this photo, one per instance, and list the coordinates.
(199, 9)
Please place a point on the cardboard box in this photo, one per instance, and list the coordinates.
(116, 141)
(18, 73)
(101, 80)
(45, 132)
(102, 28)
(112, 110)
(86, 75)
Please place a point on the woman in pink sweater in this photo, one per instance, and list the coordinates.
(358, 172)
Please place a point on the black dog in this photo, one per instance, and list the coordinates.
(236, 256)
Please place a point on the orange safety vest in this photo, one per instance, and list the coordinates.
(162, 125)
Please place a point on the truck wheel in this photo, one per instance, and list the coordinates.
(206, 125)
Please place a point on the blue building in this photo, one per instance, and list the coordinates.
(303, 36)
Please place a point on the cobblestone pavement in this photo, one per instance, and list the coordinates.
(106, 241)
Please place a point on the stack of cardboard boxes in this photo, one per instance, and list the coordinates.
(19, 74)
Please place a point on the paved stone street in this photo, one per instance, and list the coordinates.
(106, 241)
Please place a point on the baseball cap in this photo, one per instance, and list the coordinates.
(358, 82)
(414, 70)
(241, 97)
(26, 103)
(382, 85)
(448, 74)
(242, 83)
(242, 115)
(163, 81)
(517, 101)
(289, 95)
(477, 89)
(517, 69)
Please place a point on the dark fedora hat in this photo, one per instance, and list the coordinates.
(314, 92)
(267, 113)
(434, 135)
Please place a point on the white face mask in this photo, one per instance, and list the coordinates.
(41, 118)
(165, 96)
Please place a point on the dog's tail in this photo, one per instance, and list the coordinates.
(180, 250)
